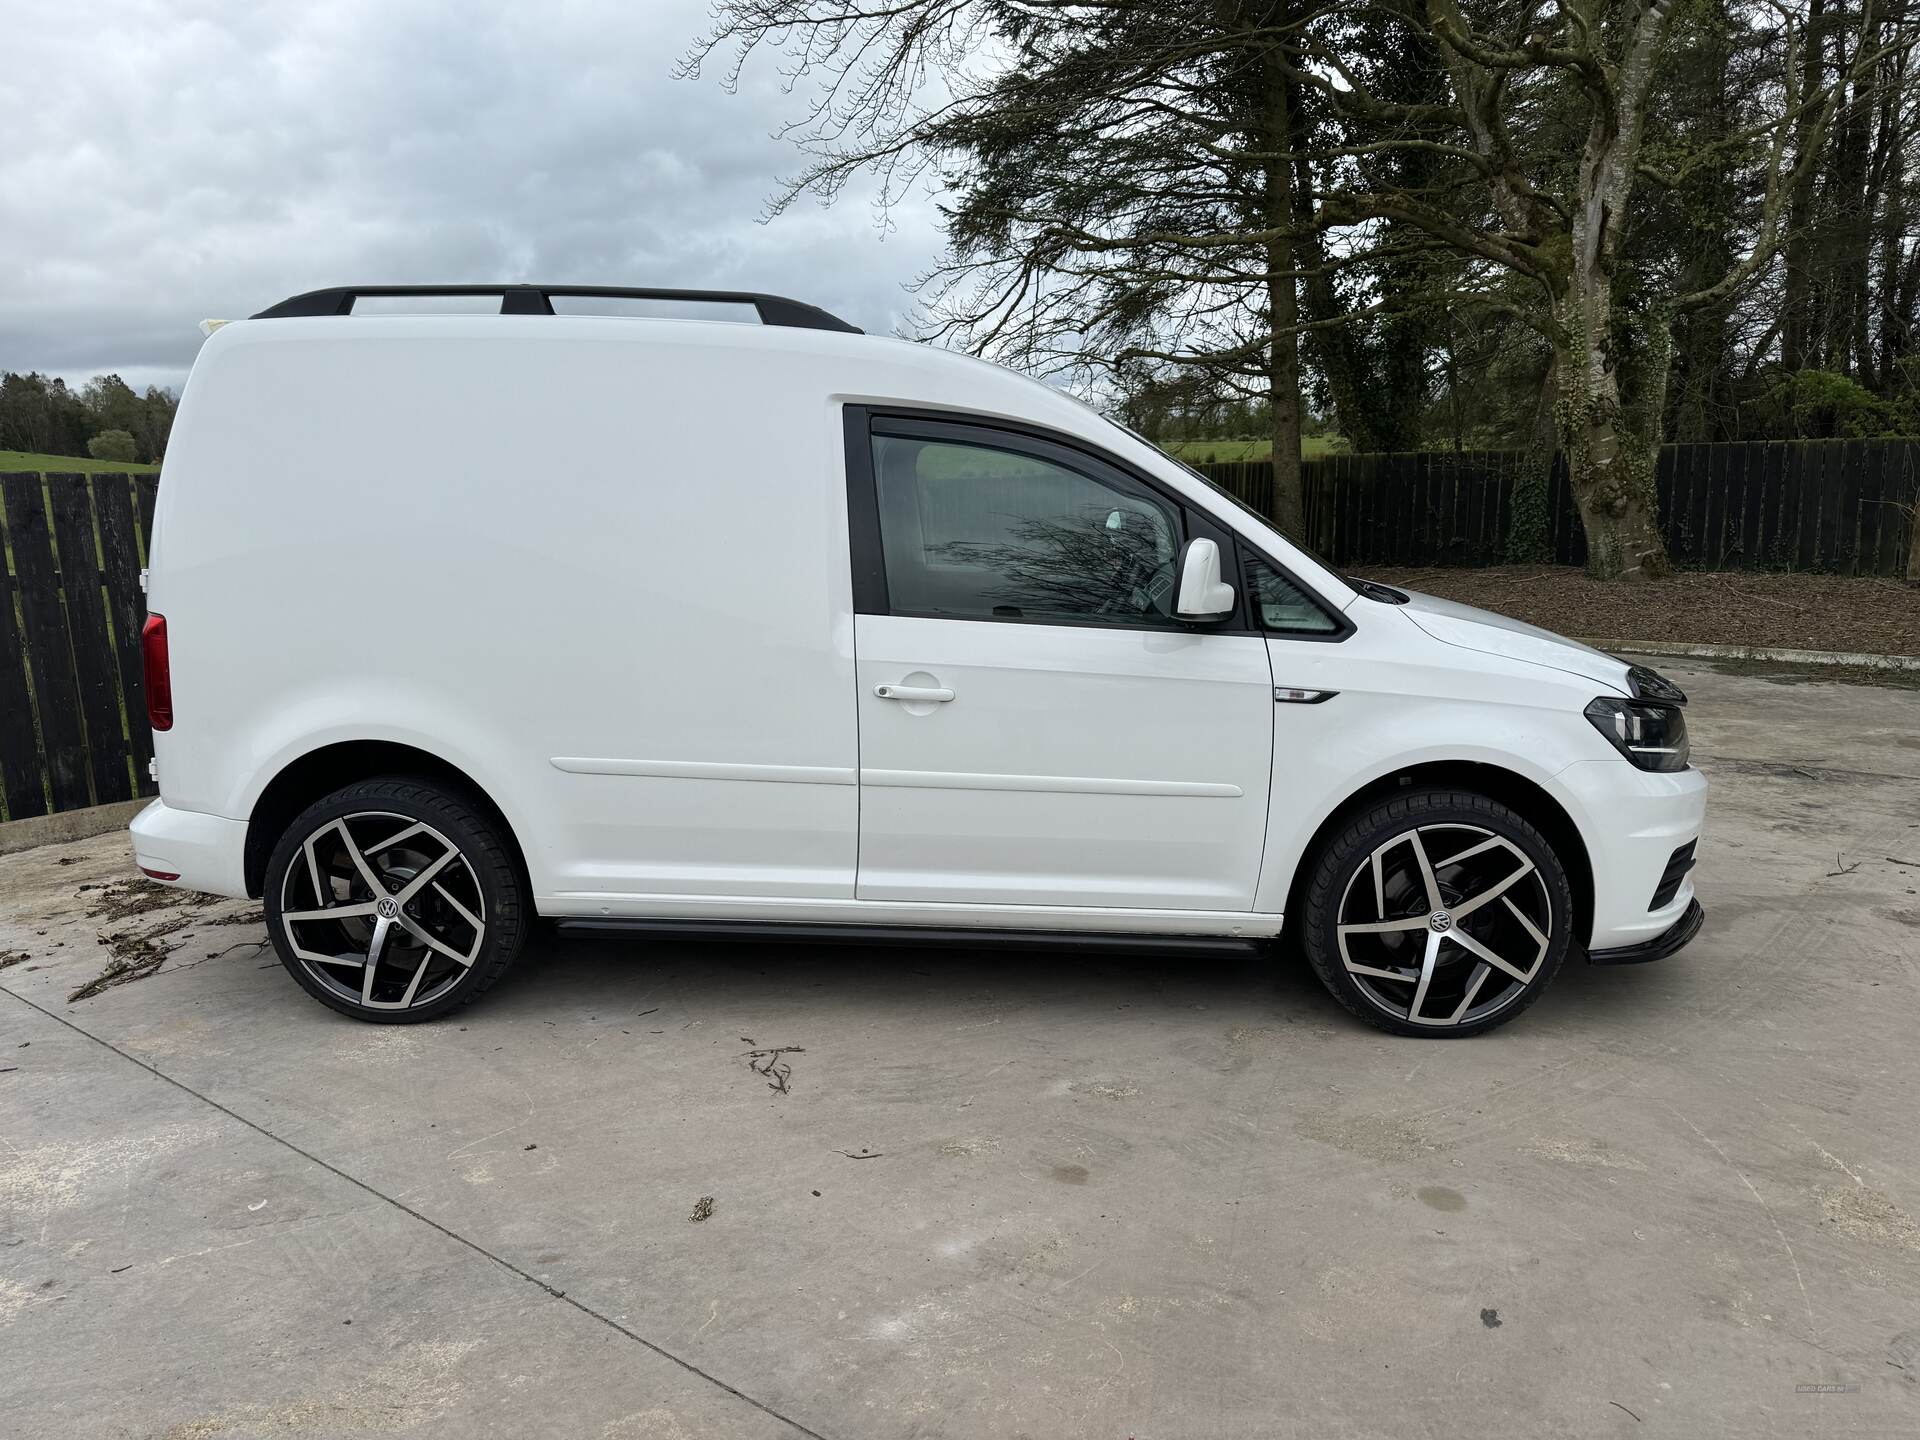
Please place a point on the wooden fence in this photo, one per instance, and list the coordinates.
(73, 728)
(73, 716)
(1835, 505)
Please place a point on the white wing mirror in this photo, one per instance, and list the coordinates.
(1203, 594)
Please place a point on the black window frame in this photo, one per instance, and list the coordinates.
(861, 423)
(1244, 561)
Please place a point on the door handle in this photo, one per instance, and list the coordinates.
(915, 694)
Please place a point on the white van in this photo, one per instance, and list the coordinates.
(673, 625)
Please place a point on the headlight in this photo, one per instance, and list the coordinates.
(1654, 737)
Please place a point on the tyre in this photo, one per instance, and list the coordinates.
(395, 900)
(1437, 912)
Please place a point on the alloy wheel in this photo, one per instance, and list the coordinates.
(383, 910)
(1444, 925)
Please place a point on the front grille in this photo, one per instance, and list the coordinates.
(1677, 867)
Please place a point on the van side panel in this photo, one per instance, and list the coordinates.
(608, 580)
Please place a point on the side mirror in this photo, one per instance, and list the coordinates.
(1203, 595)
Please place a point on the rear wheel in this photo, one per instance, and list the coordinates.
(395, 900)
(1437, 912)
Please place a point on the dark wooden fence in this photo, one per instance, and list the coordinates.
(73, 728)
(1833, 505)
(73, 717)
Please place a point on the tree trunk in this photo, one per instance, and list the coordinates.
(1610, 449)
(1529, 525)
(1701, 399)
(1892, 225)
(1289, 501)
(1610, 453)
(1797, 300)
(1622, 526)
(1283, 305)
(1849, 185)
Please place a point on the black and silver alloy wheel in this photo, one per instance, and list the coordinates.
(1408, 923)
(383, 910)
(1438, 913)
(394, 900)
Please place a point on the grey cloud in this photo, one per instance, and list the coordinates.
(209, 157)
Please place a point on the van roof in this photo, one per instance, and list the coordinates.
(837, 360)
(538, 300)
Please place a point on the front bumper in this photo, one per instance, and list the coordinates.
(1658, 948)
(207, 852)
(1632, 822)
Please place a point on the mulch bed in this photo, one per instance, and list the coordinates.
(1797, 611)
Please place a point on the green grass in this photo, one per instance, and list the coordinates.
(22, 460)
(1197, 452)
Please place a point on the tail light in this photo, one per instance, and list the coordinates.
(159, 674)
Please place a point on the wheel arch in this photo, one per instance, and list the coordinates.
(1518, 793)
(321, 771)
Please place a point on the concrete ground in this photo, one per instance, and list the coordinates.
(1005, 1195)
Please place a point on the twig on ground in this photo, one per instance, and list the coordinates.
(767, 1063)
(245, 917)
(863, 1155)
(1750, 595)
(1896, 860)
(1618, 1406)
(1845, 869)
(134, 956)
(257, 946)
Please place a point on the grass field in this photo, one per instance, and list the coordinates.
(1196, 452)
(11, 460)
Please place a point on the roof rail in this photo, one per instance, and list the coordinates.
(538, 300)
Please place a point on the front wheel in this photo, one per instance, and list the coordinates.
(395, 900)
(1437, 912)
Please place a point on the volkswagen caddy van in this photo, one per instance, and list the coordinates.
(681, 625)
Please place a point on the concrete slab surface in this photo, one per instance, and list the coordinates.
(1005, 1195)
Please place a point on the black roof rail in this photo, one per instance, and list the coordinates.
(538, 300)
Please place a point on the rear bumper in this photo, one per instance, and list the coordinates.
(207, 852)
(1658, 948)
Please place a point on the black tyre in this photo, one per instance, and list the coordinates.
(395, 900)
(1437, 913)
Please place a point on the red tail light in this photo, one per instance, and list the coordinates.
(153, 655)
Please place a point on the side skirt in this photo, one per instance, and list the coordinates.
(969, 937)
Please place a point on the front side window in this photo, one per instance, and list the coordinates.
(1282, 606)
(977, 532)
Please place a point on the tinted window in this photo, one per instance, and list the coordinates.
(1282, 605)
(977, 532)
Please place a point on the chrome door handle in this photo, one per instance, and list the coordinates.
(915, 694)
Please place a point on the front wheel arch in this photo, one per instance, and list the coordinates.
(1513, 790)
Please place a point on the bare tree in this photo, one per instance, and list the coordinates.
(1119, 179)
(1527, 78)
(1195, 189)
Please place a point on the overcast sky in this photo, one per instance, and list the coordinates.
(165, 161)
